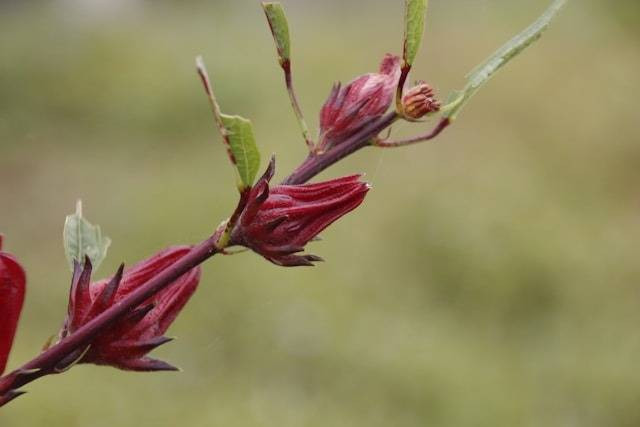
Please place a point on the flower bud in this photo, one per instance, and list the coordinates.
(125, 344)
(364, 99)
(419, 101)
(278, 222)
(12, 289)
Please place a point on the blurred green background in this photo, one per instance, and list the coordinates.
(490, 279)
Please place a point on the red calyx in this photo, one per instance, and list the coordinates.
(12, 290)
(126, 343)
(351, 107)
(278, 222)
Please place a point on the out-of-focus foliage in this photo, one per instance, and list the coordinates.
(491, 278)
(81, 240)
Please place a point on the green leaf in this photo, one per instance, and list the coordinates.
(239, 134)
(82, 238)
(483, 72)
(415, 11)
(279, 28)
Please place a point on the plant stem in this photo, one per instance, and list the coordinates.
(404, 72)
(286, 67)
(316, 163)
(213, 103)
(442, 124)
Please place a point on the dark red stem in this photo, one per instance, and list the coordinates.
(442, 124)
(316, 163)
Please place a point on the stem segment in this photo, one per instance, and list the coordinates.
(316, 163)
(286, 67)
(404, 72)
(442, 124)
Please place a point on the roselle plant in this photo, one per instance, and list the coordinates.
(117, 321)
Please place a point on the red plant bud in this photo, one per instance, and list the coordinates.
(419, 101)
(364, 99)
(125, 344)
(12, 289)
(278, 222)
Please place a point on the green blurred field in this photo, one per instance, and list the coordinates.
(490, 279)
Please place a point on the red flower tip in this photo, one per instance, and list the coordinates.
(278, 222)
(364, 99)
(419, 101)
(12, 289)
(126, 343)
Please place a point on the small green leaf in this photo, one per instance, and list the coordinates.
(239, 134)
(415, 11)
(82, 238)
(279, 28)
(483, 72)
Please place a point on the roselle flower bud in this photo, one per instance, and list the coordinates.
(419, 101)
(12, 289)
(351, 107)
(125, 344)
(278, 222)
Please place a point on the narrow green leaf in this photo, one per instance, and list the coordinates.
(279, 28)
(239, 134)
(415, 11)
(82, 238)
(483, 72)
